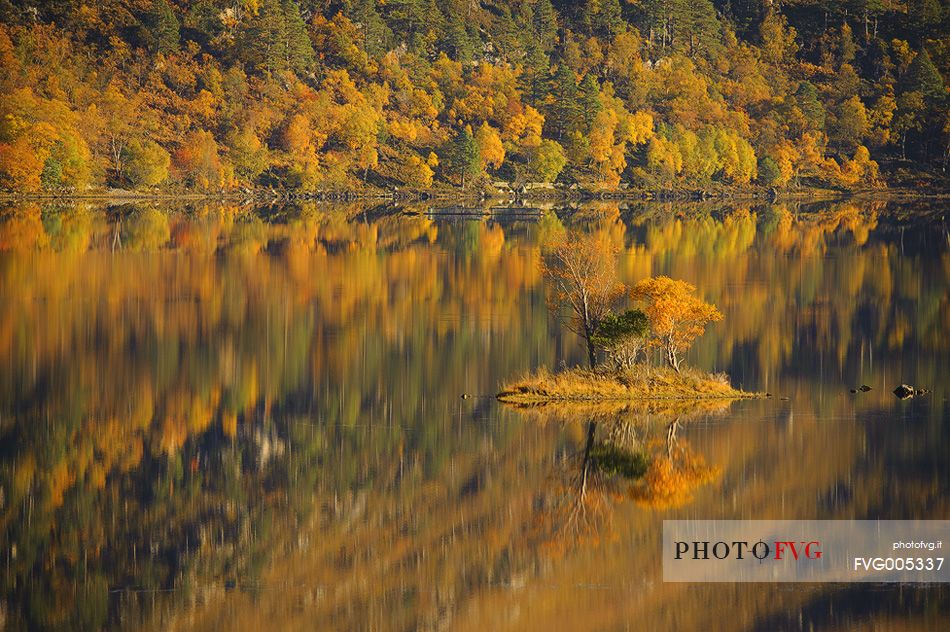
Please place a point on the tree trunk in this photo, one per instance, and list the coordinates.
(117, 148)
(671, 357)
(591, 430)
(589, 330)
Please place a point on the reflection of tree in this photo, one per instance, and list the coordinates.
(587, 485)
(580, 508)
(673, 474)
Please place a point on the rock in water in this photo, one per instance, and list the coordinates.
(922, 391)
(904, 391)
(854, 390)
(865, 388)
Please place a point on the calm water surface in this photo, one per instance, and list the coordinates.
(235, 418)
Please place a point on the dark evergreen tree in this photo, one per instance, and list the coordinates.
(278, 39)
(376, 34)
(162, 31)
(535, 73)
(603, 17)
(806, 97)
(410, 19)
(922, 103)
(565, 112)
(460, 156)
(925, 16)
(458, 41)
(922, 76)
(687, 25)
(545, 25)
(589, 97)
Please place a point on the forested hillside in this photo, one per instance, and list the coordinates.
(318, 95)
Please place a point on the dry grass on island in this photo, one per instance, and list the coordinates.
(639, 382)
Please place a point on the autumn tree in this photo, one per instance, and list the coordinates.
(146, 163)
(199, 163)
(581, 273)
(247, 153)
(677, 317)
(547, 161)
(491, 152)
(613, 130)
(850, 124)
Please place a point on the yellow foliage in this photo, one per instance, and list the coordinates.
(490, 150)
(671, 479)
(860, 169)
(676, 316)
(664, 156)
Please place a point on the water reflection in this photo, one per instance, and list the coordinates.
(631, 451)
(224, 416)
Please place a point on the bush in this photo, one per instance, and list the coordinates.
(623, 336)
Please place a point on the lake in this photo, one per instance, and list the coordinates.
(224, 417)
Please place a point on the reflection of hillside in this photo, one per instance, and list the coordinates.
(160, 388)
(274, 401)
(455, 551)
(780, 308)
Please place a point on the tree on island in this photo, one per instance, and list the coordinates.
(623, 336)
(581, 271)
(677, 317)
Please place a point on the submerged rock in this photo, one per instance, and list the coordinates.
(865, 388)
(904, 391)
(922, 391)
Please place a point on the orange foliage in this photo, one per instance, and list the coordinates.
(676, 316)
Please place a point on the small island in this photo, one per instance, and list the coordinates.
(609, 384)
(583, 288)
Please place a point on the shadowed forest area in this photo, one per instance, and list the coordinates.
(319, 95)
(223, 416)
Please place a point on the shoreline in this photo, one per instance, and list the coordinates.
(554, 196)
